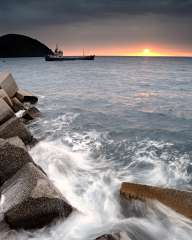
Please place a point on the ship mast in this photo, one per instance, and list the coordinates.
(56, 48)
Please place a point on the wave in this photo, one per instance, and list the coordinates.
(88, 168)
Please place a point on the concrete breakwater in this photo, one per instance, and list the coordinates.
(179, 201)
(28, 199)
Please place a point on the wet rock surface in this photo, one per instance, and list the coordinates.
(28, 198)
(15, 127)
(13, 155)
(17, 105)
(36, 213)
(31, 114)
(8, 83)
(180, 201)
(37, 201)
(26, 96)
(5, 111)
(5, 97)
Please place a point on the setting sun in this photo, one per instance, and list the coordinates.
(146, 51)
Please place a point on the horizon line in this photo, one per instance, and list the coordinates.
(166, 56)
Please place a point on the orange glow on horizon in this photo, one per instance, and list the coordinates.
(137, 51)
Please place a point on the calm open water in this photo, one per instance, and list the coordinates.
(104, 122)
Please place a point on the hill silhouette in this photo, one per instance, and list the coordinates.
(15, 45)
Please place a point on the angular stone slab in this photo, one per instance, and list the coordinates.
(180, 201)
(31, 114)
(15, 141)
(25, 96)
(17, 105)
(37, 202)
(7, 82)
(15, 127)
(5, 111)
(5, 97)
(13, 156)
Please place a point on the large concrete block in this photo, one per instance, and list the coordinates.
(5, 111)
(180, 201)
(25, 96)
(17, 105)
(15, 127)
(5, 97)
(36, 203)
(13, 156)
(8, 83)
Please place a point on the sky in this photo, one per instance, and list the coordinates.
(103, 27)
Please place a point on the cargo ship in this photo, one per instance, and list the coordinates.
(57, 55)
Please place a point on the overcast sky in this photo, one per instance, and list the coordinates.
(103, 26)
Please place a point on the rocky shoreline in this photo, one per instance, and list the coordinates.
(28, 199)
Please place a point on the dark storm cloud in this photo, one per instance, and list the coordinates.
(30, 12)
(100, 23)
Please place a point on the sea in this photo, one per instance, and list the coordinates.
(104, 122)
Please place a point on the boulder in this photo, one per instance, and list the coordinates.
(180, 201)
(25, 96)
(8, 83)
(13, 156)
(36, 203)
(15, 127)
(5, 111)
(5, 97)
(17, 105)
(31, 114)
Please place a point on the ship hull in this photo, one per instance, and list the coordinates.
(69, 58)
